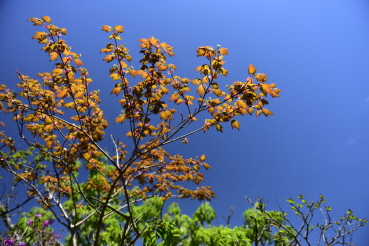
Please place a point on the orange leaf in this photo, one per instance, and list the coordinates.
(251, 69)
(203, 158)
(250, 111)
(116, 91)
(223, 51)
(120, 119)
(265, 88)
(119, 28)
(78, 62)
(114, 76)
(266, 112)
(123, 64)
(46, 19)
(241, 104)
(200, 90)
(235, 124)
(57, 71)
(40, 35)
(63, 31)
(53, 56)
(108, 58)
(105, 50)
(195, 81)
(174, 97)
(36, 21)
(261, 77)
(106, 28)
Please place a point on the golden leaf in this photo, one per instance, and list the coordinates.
(258, 113)
(114, 76)
(241, 104)
(195, 81)
(46, 19)
(53, 56)
(78, 62)
(250, 111)
(36, 21)
(174, 97)
(86, 155)
(119, 28)
(123, 64)
(224, 72)
(265, 88)
(108, 58)
(57, 71)
(251, 69)
(261, 77)
(200, 90)
(223, 51)
(63, 31)
(165, 90)
(106, 50)
(61, 93)
(106, 28)
(40, 35)
(116, 90)
(235, 124)
(48, 128)
(70, 76)
(162, 68)
(120, 119)
(217, 92)
(203, 157)
(219, 128)
(266, 112)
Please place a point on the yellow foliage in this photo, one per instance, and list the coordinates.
(251, 69)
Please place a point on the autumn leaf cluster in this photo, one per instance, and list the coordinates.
(60, 116)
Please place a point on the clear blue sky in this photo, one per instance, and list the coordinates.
(317, 52)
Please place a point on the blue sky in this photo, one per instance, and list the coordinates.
(317, 52)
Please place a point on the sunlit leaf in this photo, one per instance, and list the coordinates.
(223, 51)
(106, 28)
(78, 62)
(200, 90)
(266, 112)
(235, 124)
(119, 28)
(53, 56)
(251, 69)
(36, 21)
(46, 19)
